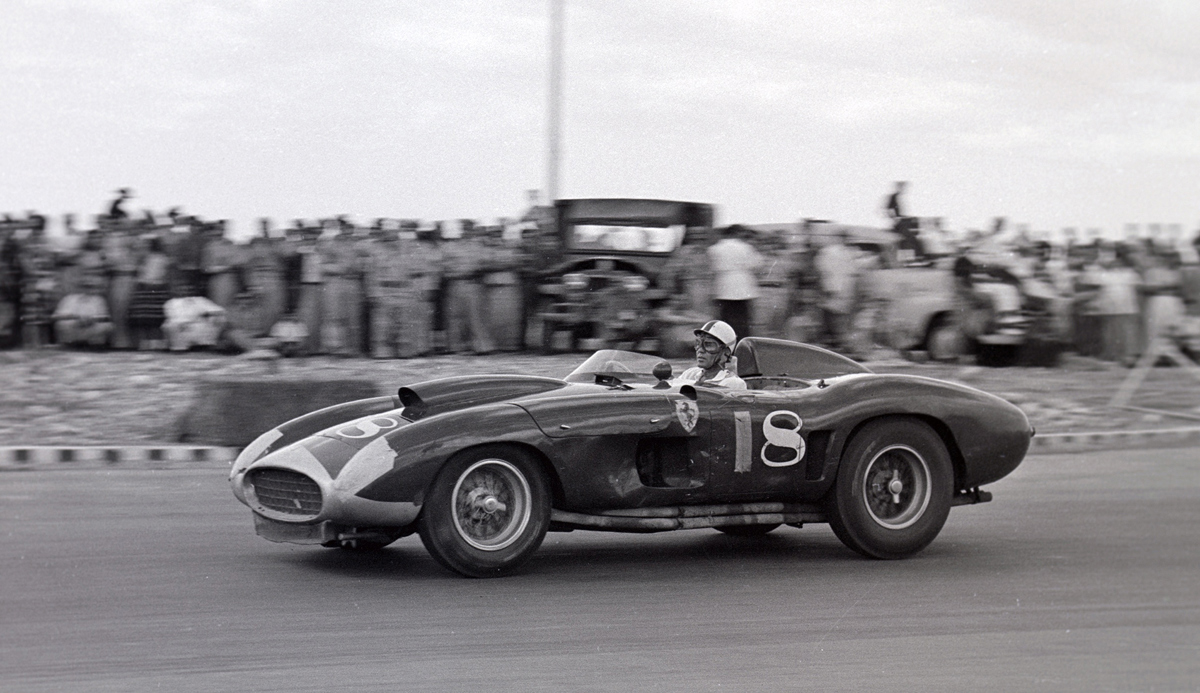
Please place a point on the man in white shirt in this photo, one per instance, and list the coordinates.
(734, 263)
(837, 272)
(714, 356)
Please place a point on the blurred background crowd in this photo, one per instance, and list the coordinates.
(396, 288)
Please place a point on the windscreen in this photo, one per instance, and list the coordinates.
(626, 366)
(626, 238)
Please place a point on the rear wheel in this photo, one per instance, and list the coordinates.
(893, 490)
(487, 511)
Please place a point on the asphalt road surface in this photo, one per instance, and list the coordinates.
(1082, 575)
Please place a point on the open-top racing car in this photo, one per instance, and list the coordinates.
(483, 466)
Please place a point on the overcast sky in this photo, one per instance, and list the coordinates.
(1051, 113)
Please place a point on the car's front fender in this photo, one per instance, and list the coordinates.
(302, 427)
(421, 448)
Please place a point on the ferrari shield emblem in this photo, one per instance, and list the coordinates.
(688, 413)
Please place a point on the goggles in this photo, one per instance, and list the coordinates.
(710, 346)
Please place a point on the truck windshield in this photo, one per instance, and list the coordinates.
(627, 238)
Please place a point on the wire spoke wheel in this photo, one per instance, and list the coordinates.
(893, 490)
(491, 504)
(896, 487)
(487, 511)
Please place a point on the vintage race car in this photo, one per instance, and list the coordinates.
(483, 466)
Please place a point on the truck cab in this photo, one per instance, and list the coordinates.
(603, 259)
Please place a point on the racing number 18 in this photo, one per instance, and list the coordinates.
(784, 446)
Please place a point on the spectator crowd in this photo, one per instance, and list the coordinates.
(178, 282)
(400, 289)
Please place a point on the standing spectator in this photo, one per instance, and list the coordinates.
(902, 224)
(362, 336)
(894, 206)
(387, 279)
(1118, 308)
(188, 258)
(426, 266)
(152, 291)
(1088, 327)
(1189, 276)
(116, 210)
(221, 262)
(69, 248)
(734, 263)
(89, 262)
(119, 257)
(776, 283)
(836, 269)
(466, 328)
(867, 322)
(311, 296)
(502, 291)
(341, 308)
(10, 284)
(1161, 285)
(292, 265)
(264, 278)
(688, 277)
(39, 285)
(806, 318)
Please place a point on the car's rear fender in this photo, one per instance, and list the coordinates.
(939, 427)
(986, 436)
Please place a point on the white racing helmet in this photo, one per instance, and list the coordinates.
(720, 331)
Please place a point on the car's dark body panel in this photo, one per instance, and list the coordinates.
(435, 397)
(609, 446)
(301, 427)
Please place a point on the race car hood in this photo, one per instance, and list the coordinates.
(450, 394)
(560, 409)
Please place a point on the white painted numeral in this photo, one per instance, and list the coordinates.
(784, 435)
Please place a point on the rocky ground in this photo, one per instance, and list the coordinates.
(59, 397)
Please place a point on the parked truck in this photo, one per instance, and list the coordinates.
(601, 262)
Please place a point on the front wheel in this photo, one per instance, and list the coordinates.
(945, 342)
(487, 511)
(893, 490)
(997, 355)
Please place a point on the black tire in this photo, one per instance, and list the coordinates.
(747, 530)
(893, 489)
(997, 355)
(945, 342)
(487, 511)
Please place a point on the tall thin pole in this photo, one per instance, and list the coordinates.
(555, 107)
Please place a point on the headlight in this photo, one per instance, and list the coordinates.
(635, 282)
(575, 281)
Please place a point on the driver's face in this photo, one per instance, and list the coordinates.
(708, 351)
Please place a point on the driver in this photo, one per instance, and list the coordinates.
(714, 354)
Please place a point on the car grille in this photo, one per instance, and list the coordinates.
(286, 492)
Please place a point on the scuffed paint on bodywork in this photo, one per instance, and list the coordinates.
(609, 446)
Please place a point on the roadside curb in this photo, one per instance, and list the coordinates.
(103, 456)
(1110, 440)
